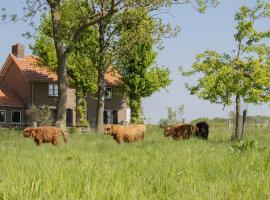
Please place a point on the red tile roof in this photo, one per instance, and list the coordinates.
(32, 71)
(8, 98)
(29, 65)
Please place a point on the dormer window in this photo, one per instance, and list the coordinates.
(53, 90)
(108, 93)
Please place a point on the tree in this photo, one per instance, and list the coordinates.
(141, 77)
(108, 28)
(243, 76)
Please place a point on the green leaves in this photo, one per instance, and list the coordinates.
(136, 58)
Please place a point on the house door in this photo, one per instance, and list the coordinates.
(115, 117)
(69, 117)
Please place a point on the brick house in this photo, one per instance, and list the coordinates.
(23, 83)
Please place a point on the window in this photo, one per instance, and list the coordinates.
(2, 116)
(53, 90)
(108, 93)
(16, 116)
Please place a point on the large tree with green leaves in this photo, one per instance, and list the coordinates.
(141, 77)
(108, 29)
(243, 76)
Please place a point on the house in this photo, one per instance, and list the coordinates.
(23, 84)
(116, 109)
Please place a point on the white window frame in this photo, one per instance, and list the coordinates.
(54, 86)
(20, 116)
(5, 116)
(109, 98)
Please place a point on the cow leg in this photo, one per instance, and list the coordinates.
(38, 141)
(120, 140)
(54, 141)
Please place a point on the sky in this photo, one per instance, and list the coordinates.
(213, 30)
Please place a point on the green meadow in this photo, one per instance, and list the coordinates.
(93, 166)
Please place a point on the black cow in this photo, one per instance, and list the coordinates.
(203, 130)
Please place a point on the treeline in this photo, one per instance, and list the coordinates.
(256, 119)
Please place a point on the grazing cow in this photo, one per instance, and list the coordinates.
(45, 134)
(203, 130)
(127, 134)
(184, 131)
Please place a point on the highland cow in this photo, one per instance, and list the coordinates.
(126, 134)
(203, 130)
(45, 134)
(183, 132)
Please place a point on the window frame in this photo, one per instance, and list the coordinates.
(54, 85)
(110, 98)
(12, 111)
(5, 116)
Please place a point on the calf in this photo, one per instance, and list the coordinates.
(183, 132)
(45, 134)
(127, 134)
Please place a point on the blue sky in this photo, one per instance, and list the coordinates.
(213, 30)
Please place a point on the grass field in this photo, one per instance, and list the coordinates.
(93, 166)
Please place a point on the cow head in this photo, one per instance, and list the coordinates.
(108, 129)
(27, 132)
(168, 131)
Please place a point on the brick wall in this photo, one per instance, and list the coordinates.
(41, 95)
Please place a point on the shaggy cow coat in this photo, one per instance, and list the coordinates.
(203, 130)
(45, 134)
(179, 132)
(126, 134)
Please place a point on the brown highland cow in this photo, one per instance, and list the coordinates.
(45, 134)
(183, 132)
(127, 134)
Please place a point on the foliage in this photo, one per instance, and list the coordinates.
(42, 115)
(244, 75)
(141, 77)
(158, 168)
(81, 64)
(82, 110)
(243, 146)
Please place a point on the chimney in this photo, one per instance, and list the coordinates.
(18, 50)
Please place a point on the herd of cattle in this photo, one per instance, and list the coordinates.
(120, 134)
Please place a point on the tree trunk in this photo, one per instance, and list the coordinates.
(62, 91)
(100, 101)
(237, 135)
(101, 78)
(136, 110)
(61, 61)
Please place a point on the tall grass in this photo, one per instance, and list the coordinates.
(93, 166)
